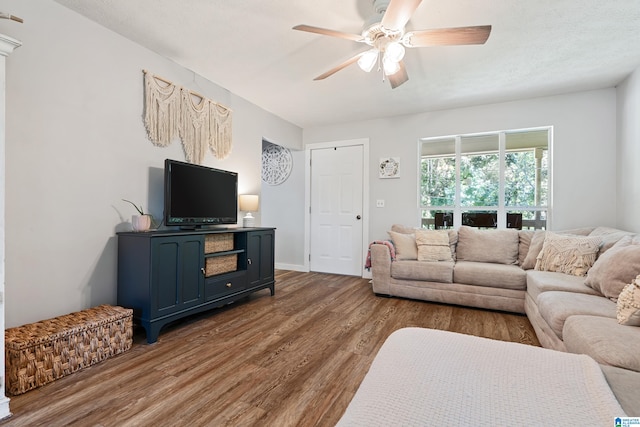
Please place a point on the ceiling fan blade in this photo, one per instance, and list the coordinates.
(398, 14)
(339, 67)
(447, 36)
(332, 33)
(399, 77)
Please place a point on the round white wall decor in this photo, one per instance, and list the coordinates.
(276, 164)
(389, 167)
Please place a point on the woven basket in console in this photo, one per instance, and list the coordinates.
(218, 242)
(221, 264)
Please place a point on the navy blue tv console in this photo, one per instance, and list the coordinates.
(166, 275)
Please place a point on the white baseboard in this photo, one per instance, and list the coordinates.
(4, 408)
(366, 274)
(292, 267)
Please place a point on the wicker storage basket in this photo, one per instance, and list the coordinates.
(41, 352)
(218, 242)
(221, 264)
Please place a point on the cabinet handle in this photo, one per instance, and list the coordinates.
(228, 285)
(203, 272)
(249, 261)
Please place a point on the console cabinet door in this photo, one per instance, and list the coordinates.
(260, 257)
(177, 282)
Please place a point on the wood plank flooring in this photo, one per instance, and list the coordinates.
(294, 359)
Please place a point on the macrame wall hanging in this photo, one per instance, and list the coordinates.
(170, 112)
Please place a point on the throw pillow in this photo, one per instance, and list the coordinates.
(497, 246)
(433, 245)
(615, 268)
(453, 235)
(535, 246)
(567, 253)
(405, 245)
(628, 309)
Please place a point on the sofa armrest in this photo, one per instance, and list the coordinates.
(381, 268)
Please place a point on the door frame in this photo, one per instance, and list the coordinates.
(364, 142)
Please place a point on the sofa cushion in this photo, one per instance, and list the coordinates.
(556, 307)
(628, 306)
(441, 271)
(496, 246)
(433, 245)
(543, 281)
(405, 245)
(624, 384)
(524, 237)
(490, 275)
(615, 269)
(399, 228)
(568, 254)
(610, 236)
(604, 340)
(535, 246)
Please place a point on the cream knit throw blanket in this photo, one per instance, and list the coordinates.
(424, 377)
(170, 111)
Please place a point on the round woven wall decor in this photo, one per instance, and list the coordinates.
(276, 164)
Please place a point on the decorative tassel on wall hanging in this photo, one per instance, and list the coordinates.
(161, 110)
(170, 112)
(194, 127)
(220, 129)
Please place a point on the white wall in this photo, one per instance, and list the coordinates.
(76, 145)
(584, 153)
(628, 187)
(283, 208)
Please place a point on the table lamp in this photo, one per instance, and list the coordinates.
(248, 204)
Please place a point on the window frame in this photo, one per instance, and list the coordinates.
(501, 209)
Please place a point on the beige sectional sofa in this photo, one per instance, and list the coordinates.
(569, 295)
(479, 277)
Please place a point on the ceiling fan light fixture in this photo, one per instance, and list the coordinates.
(390, 67)
(368, 60)
(384, 32)
(394, 52)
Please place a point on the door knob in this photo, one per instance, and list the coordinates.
(358, 217)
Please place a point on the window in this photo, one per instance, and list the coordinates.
(492, 180)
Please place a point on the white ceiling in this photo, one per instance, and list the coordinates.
(536, 48)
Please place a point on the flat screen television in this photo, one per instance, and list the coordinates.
(198, 195)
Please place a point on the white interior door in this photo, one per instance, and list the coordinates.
(336, 210)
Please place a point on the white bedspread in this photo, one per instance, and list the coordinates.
(424, 377)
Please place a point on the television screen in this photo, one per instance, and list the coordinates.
(197, 195)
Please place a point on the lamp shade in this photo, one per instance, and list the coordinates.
(368, 60)
(248, 202)
(394, 52)
(390, 67)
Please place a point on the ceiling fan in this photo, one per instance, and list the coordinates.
(385, 34)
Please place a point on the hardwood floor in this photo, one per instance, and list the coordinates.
(294, 359)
